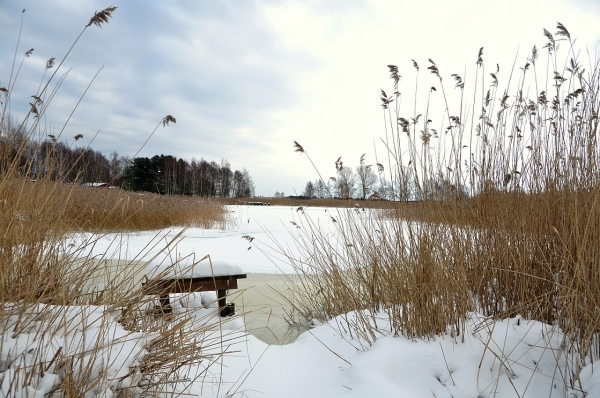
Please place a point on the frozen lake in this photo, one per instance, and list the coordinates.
(270, 229)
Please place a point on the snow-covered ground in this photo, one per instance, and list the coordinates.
(510, 358)
(495, 359)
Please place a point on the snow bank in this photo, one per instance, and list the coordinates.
(49, 343)
(493, 359)
(496, 359)
(85, 338)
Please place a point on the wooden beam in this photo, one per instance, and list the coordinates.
(191, 285)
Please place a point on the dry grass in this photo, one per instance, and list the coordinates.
(114, 209)
(58, 332)
(524, 241)
(82, 208)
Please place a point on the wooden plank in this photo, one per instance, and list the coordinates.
(210, 278)
(202, 286)
(193, 285)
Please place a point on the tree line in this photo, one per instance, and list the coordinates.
(164, 174)
(369, 182)
(169, 175)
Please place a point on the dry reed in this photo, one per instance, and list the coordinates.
(509, 221)
(58, 333)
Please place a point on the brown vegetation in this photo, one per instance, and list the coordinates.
(526, 241)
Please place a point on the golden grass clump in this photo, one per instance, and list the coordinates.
(114, 209)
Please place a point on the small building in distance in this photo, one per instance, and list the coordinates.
(96, 184)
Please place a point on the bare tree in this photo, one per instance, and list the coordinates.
(366, 179)
(116, 165)
(320, 188)
(309, 190)
(249, 183)
(346, 182)
(243, 186)
(405, 187)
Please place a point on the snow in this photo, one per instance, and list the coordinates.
(492, 358)
(90, 334)
(509, 358)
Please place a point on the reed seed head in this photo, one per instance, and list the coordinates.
(34, 109)
(101, 17)
(298, 147)
(434, 69)
(168, 119)
(562, 31)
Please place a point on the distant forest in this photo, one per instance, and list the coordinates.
(164, 174)
(169, 175)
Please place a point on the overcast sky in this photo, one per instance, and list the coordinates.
(246, 78)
